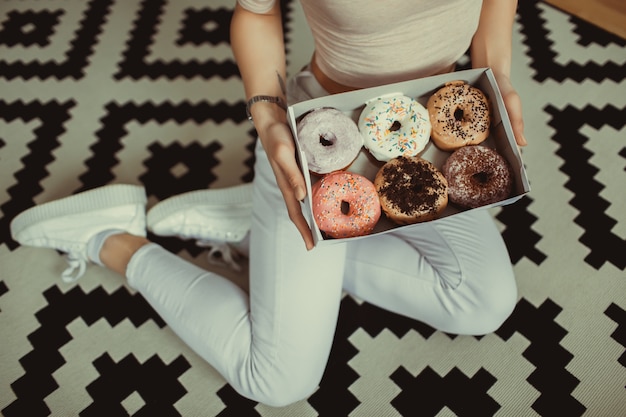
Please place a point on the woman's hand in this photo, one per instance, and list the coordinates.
(258, 46)
(513, 104)
(280, 148)
(491, 47)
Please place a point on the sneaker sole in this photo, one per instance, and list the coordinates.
(96, 199)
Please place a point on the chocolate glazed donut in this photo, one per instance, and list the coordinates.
(477, 176)
(411, 190)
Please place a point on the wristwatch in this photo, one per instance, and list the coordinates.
(270, 99)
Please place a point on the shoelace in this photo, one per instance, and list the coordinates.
(75, 270)
(221, 253)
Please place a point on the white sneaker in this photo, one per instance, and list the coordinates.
(214, 218)
(68, 224)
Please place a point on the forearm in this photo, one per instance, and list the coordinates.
(258, 47)
(491, 45)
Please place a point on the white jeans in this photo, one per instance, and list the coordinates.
(273, 344)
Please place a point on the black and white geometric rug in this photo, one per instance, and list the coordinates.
(146, 92)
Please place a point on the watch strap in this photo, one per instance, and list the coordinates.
(270, 99)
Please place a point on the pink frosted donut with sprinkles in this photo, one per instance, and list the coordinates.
(345, 205)
(394, 126)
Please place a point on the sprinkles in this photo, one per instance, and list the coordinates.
(459, 114)
(394, 126)
(345, 204)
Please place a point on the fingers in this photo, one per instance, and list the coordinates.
(513, 104)
(292, 186)
(287, 171)
(295, 215)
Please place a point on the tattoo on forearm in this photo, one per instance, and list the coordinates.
(281, 82)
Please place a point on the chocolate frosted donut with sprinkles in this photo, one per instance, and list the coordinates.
(459, 115)
(477, 176)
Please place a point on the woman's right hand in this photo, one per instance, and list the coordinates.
(280, 148)
(258, 46)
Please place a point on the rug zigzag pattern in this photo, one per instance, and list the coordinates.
(148, 93)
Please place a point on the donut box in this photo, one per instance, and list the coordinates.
(352, 103)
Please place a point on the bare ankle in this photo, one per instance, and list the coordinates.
(118, 249)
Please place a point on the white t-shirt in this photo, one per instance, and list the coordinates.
(363, 43)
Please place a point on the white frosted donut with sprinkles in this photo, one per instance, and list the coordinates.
(394, 126)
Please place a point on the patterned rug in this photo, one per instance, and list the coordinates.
(146, 92)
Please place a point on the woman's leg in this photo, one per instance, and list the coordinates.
(117, 250)
(453, 274)
(273, 345)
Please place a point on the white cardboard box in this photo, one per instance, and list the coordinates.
(501, 138)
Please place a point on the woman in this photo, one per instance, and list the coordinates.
(256, 37)
(272, 344)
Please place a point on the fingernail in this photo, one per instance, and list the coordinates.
(300, 193)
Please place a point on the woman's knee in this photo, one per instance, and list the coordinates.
(490, 310)
(283, 390)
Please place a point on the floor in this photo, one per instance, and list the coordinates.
(608, 14)
(146, 92)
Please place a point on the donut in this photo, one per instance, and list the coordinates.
(459, 114)
(411, 190)
(329, 138)
(394, 126)
(345, 204)
(477, 176)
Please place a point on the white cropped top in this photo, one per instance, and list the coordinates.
(366, 43)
